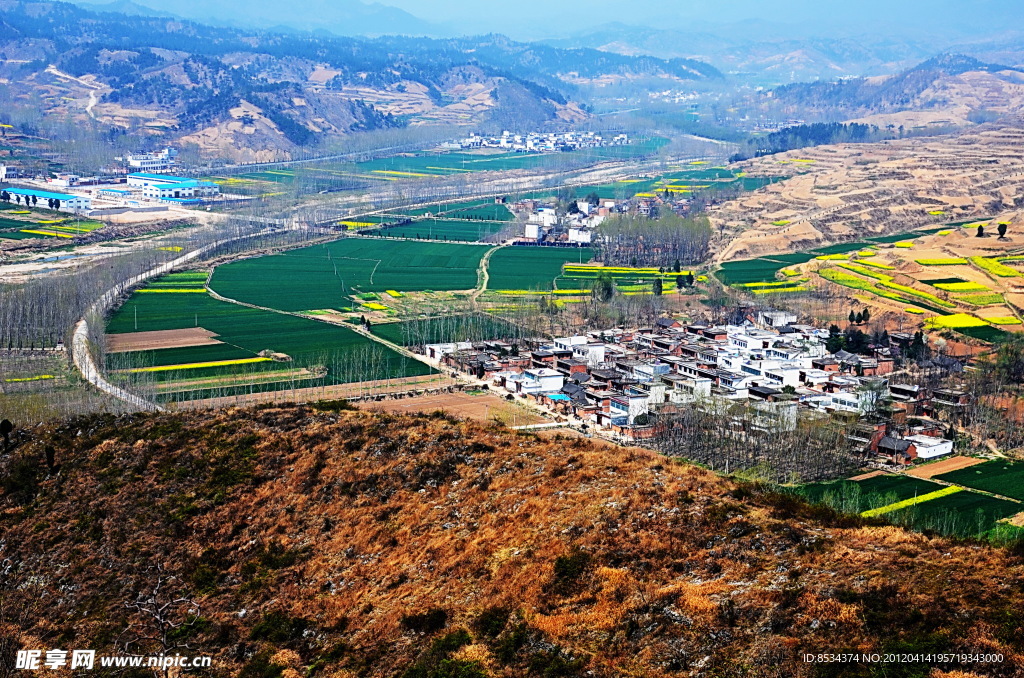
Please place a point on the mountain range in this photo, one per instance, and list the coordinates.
(261, 95)
(951, 89)
(746, 39)
(769, 55)
(328, 17)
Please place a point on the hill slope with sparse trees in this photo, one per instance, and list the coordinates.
(325, 542)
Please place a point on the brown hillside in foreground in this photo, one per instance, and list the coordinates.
(361, 544)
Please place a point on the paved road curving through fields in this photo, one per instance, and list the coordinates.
(82, 356)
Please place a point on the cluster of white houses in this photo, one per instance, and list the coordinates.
(538, 142)
(545, 225)
(616, 379)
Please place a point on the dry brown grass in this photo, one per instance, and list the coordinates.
(345, 523)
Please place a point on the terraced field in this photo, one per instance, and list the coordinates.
(763, 269)
(971, 299)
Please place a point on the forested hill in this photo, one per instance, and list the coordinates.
(317, 541)
(179, 77)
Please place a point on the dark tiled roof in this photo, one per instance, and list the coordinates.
(895, 444)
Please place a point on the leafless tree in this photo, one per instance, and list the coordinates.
(161, 619)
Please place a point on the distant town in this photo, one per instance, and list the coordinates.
(538, 142)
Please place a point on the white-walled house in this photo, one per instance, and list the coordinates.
(591, 353)
(570, 343)
(627, 407)
(929, 447)
(580, 235)
(684, 390)
(439, 351)
(541, 380)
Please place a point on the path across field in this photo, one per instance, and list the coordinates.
(483, 407)
(944, 466)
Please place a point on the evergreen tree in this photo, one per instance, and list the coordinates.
(866, 315)
(1009, 361)
(981, 231)
(916, 349)
(853, 317)
(836, 341)
(604, 289)
(1002, 230)
(658, 289)
(855, 341)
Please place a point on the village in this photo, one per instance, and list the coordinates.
(617, 382)
(547, 222)
(537, 142)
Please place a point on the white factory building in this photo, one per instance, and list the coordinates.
(165, 187)
(68, 202)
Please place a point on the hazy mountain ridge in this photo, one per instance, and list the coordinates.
(768, 60)
(330, 17)
(370, 544)
(180, 78)
(775, 56)
(929, 86)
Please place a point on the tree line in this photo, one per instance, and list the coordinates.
(664, 241)
(732, 437)
(814, 134)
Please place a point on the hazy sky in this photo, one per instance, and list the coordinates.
(827, 14)
(941, 20)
